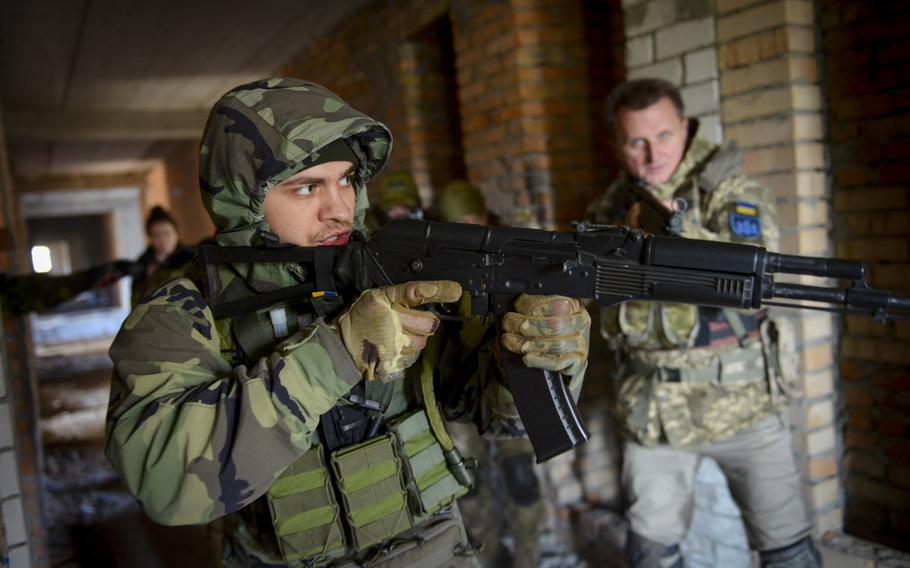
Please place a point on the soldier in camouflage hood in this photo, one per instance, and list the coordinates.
(693, 382)
(306, 428)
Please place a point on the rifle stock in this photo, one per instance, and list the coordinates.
(606, 263)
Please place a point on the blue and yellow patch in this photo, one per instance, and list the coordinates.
(745, 220)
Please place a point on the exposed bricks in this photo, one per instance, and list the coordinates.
(765, 45)
(764, 16)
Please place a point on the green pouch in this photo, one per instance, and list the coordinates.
(431, 486)
(304, 510)
(369, 480)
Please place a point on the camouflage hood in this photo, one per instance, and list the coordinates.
(262, 133)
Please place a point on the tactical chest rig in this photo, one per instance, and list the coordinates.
(377, 488)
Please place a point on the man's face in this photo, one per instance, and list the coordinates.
(651, 142)
(314, 207)
(163, 238)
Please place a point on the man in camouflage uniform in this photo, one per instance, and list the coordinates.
(306, 426)
(693, 382)
(503, 463)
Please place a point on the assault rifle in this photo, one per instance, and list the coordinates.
(606, 263)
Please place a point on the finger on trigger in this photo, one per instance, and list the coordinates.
(416, 322)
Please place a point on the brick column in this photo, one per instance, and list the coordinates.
(771, 106)
(867, 79)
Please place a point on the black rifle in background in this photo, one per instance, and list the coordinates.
(608, 264)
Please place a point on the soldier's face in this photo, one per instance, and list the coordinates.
(651, 142)
(314, 207)
(163, 238)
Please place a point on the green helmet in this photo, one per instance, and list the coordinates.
(398, 189)
(460, 198)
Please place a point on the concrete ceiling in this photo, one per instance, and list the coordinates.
(99, 86)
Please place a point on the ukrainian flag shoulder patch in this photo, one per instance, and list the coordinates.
(745, 221)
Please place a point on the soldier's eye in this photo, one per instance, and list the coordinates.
(346, 180)
(304, 190)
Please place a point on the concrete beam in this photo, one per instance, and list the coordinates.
(104, 125)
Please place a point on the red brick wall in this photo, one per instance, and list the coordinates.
(867, 73)
(524, 85)
(181, 173)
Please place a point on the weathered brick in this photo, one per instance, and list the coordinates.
(776, 130)
(684, 36)
(870, 199)
(819, 414)
(701, 65)
(14, 521)
(9, 474)
(855, 440)
(701, 99)
(899, 475)
(797, 156)
(803, 213)
(884, 494)
(727, 6)
(861, 512)
(829, 522)
(771, 101)
(711, 128)
(764, 46)
(764, 16)
(865, 106)
(6, 426)
(818, 384)
(820, 468)
(766, 73)
(670, 70)
(639, 51)
(865, 464)
(824, 493)
(800, 184)
(805, 241)
(648, 16)
(820, 442)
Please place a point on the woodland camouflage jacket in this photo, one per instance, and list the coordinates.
(196, 437)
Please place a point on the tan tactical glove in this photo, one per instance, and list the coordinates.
(382, 333)
(550, 331)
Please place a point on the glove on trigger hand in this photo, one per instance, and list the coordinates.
(551, 332)
(381, 331)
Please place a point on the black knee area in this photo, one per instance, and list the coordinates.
(641, 552)
(800, 554)
(521, 480)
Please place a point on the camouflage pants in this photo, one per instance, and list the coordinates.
(761, 473)
(506, 498)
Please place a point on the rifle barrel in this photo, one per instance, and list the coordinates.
(813, 266)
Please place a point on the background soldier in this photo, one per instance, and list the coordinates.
(507, 494)
(690, 381)
(301, 424)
